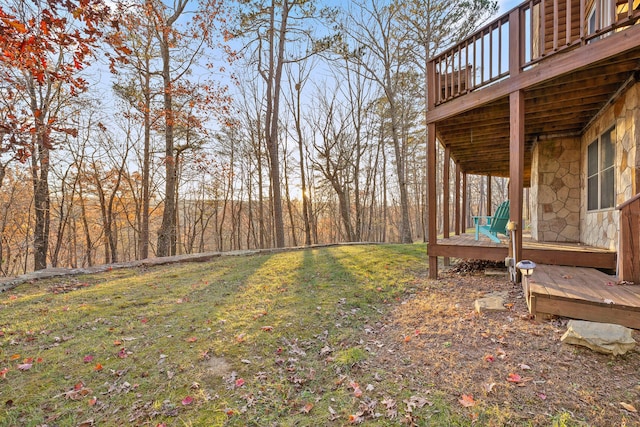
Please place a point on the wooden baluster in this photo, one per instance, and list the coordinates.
(582, 20)
(490, 53)
(542, 47)
(531, 32)
(568, 29)
(459, 91)
(555, 24)
(467, 83)
(482, 58)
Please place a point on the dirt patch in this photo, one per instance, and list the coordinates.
(515, 367)
(217, 366)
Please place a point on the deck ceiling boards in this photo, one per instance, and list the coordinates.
(479, 138)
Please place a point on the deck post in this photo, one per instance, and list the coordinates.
(464, 203)
(446, 190)
(432, 207)
(432, 198)
(489, 196)
(629, 248)
(457, 197)
(515, 47)
(516, 168)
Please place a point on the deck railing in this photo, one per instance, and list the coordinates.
(629, 250)
(531, 32)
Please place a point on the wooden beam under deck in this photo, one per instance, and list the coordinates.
(571, 254)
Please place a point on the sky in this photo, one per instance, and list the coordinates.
(507, 5)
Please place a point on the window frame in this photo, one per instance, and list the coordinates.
(596, 179)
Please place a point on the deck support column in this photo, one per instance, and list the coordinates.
(516, 170)
(446, 197)
(432, 197)
(464, 203)
(457, 197)
(432, 208)
(489, 196)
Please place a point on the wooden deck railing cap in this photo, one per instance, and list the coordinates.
(628, 202)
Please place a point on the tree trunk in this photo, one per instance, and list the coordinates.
(42, 202)
(167, 232)
(146, 161)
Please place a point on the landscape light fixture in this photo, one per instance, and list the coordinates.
(526, 267)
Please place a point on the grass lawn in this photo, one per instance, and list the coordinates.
(333, 336)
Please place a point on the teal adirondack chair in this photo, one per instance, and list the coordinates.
(494, 224)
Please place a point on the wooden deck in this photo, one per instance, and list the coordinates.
(572, 254)
(582, 293)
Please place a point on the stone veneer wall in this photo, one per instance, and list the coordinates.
(555, 191)
(600, 228)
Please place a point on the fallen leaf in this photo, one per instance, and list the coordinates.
(542, 396)
(525, 367)
(488, 387)
(117, 343)
(355, 419)
(239, 382)
(88, 358)
(24, 366)
(416, 402)
(15, 357)
(390, 404)
(267, 328)
(98, 367)
(3, 372)
(122, 354)
(628, 407)
(192, 339)
(325, 350)
(357, 392)
(240, 338)
(467, 401)
(93, 401)
(514, 378)
(187, 400)
(501, 354)
(307, 408)
(489, 358)
(144, 320)
(407, 338)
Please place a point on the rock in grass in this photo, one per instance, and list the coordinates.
(491, 302)
(604, 338)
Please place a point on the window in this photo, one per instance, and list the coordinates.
(601, 155)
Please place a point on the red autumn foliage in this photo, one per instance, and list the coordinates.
(32, 40)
